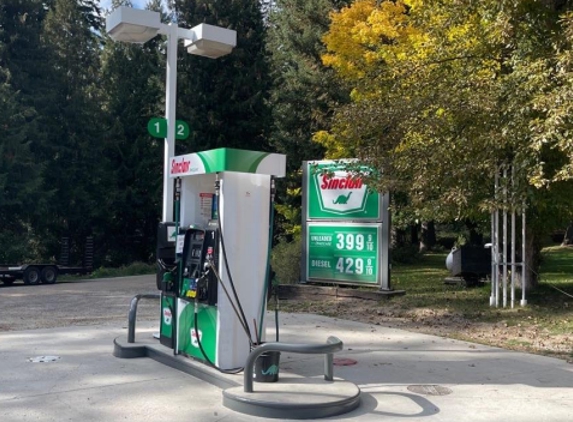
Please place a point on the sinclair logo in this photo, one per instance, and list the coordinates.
(183, 165)
(341, 193)
(180, 166)
(167, 316)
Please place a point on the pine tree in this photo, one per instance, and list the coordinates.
(72, 118)
(22, 89)
(21, 49)
(304, 91)
(20, 176)
(224, 100)
(133, 78)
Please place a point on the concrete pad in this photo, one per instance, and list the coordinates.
(486, 383)
(88, 384)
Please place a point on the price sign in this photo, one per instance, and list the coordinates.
(343, 252)
(157, 127)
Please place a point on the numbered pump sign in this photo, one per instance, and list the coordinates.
(345, 227)
(157, 127)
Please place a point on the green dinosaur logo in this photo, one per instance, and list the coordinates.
(342, 199)
(171, 234)
(272, 370)
(338, 192)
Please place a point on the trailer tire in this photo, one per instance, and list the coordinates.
(49, 275)
(32, 275)
(8, 281)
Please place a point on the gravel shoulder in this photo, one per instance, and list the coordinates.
(80, 302)
(527, 337)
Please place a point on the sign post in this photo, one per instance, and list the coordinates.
(346, 228)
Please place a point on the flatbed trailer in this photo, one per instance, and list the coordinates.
(37, 273)
(48, 273)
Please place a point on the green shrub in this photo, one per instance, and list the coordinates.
(407, 254)
(285, 260)
(135, 268)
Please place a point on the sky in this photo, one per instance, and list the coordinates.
(138, 4)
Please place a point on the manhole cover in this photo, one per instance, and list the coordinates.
(430, 390)
(343, 362)
(40, 359)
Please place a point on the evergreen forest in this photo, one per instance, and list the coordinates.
(438, 95)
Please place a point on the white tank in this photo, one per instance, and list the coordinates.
(450, 260)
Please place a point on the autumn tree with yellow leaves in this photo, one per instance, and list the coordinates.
(446, 91)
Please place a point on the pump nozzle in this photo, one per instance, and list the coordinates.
(273, 189)
(217, 184)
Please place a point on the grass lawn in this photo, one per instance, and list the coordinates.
(543, 326)
(547, 307)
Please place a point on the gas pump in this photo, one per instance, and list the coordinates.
(212, 287)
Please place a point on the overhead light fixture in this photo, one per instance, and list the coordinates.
(133, 25)
(211, 41)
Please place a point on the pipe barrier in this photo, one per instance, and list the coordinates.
(332, 345)
(131, 317)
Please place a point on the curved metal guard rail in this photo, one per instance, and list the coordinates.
(133, 313)
(333, 344)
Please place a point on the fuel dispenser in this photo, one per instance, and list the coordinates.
(213, 259)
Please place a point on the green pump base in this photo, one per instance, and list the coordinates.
(292, 397)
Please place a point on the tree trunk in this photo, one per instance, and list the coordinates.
(397, 237)
(414, 234)
(428, 236)
(568, 238)
(532, 260)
